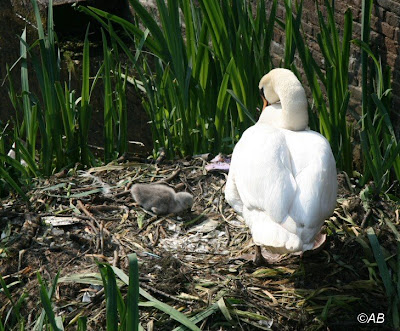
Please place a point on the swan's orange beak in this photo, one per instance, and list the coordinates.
(265, 102)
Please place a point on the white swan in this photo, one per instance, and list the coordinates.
(282, 177)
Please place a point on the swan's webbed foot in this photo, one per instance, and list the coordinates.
(319, 243)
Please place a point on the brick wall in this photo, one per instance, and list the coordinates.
(385, 37)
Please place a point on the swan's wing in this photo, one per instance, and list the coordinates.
(285, 184)
(260, 177)
(314, 169)
(231, 193)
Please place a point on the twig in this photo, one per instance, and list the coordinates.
(151, 288)
(91, 217)
(365, 218)
(122, 194)
(101, 234)
(101, 218)
(75, 258)
(151, 220)
(169, 178)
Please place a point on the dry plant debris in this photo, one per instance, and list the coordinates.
(191, 260)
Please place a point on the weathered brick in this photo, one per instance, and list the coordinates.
(391, 59)
(278, 35)
(392, 19)
(277, 49)
(355, 105)
(396, 74)
(379, 12)
(390, 46)
(395, 87)
(377, 39)
(354, 63)
(390, 5)
(397, 35)
(396, 107)
(356, 30)
(309, 29)
(280, 11)
(355, 91)
(388, 30)
(341, 7)
(310, 4)
(311, 16)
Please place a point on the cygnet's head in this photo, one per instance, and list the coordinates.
(184, 199)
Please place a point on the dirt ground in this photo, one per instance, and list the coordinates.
(189, 260)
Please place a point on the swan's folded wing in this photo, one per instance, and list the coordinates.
(314, 169)
(261, 170)
(232, 195)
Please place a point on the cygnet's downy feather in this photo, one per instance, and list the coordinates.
(161, 199)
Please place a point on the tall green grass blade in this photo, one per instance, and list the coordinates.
(82, 323)
(244, 108)
(222, 105)
(289, 42)
(110, 290)
(181, 318)
(122, 110)
(190, 31)
(27, 157)
(152, 25)
(378, 141)
(132, 312)
(366, 9)
(391, 293)
(4, 174)
(15, 305)
(218, 31)
(152, 44)
(45, 298)
(28, 120)
(380, 260)
(38, 18)
(108, 103)
(200, 316)
(85, 107)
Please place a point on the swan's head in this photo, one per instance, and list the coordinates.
(282, 85)
(267, 90)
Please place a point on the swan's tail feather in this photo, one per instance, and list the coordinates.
(273, 236)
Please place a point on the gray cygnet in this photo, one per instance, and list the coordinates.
(161, 199)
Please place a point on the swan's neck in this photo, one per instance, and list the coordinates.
(291, 113)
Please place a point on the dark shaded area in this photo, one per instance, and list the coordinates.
(71, 23)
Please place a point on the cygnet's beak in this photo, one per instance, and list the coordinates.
(265, 102)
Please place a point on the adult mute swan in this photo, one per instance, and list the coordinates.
(282, 177)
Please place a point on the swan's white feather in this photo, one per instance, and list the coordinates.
(283, 183)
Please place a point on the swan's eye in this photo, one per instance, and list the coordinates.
(262, 92)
